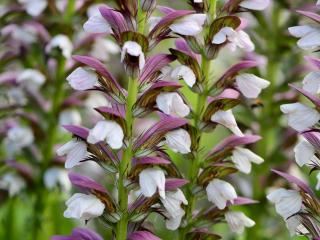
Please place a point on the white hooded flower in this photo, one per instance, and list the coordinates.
(250, 85)
(55, 176)
(172, 104)
(133, 49)
(31, 79)
(300, 116)
(97, 24)
(185, 73)
(237, 221)
(34, 7)
(69, 117)
(304, 152)
(311, 82)
(12, 183)
(235, 39)
(82, 79)
(83, 206)
(109, 131)
(102, 49)
(288, 202)
(172, 204)
(243, 158)
(227, 119)
(309, 36)
(220, 192)
(151, 180)
(63, 43)
(294, 226)
(75, 150)
(179, 141)
(17, 138)
(190, 25)
(255, 4)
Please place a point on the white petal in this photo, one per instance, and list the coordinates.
(150, 180)
(63, 43)
(311, 83)
(237, 221)
(189, 25)
(304, 151)
(172, 203)
(75, 151)
(82, 79)
(31, 79)
(255, 4)
(57, 176)
(173, 223)
(311, 41)
(295, 226)
(12, 183)
(227, 119)
(185, 73)
(103, 48)
(219, 37)
(288, 202)
(242, 40)
(133, 49)
(172, 104)
(318, 181)
(34, 7)
(251, 85)
(69, 117)
(179, 141)
(219, 192)
(300, 31)
(20, 136)
(97, 24)
(300, 117)
(243, 157)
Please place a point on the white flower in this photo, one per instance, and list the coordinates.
(198, 1)
(226, 119)
(109, 131)
(237, 221)
(97, 24)
(63, 43)
(288, 202)
(75, 150)
(255, 4)
(304, 152)
(69, 117)
(103, 48)
(309, 36)
(243, 158)
(82, 79)
(179, 141)
(172, 204)
(153, 21)
(83, 206)
(57, 177)
(135, 50)
(172, 104)
(294, 226)
(12, 183)
(311, 82)
(318, 181)
(190, 25)
(16, 96)
(220, 192)
(17, 138)
(185, 73)
(250, 85)
(235, 39)
(34, 7)
(150, 180)
(31, 79)
(300, 116)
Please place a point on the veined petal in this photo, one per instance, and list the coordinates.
(219, 192)
(34, 7)
(189, 25)
(243, 157)
(255, 4)
(185, 73)
(150, 180)
(82, 79)
(300, 31)
(251, 85)
(311, 82)
(97, 24)
(237, 221)
(227, 119)
(304, 151)
(310, 41)
(172, 104)
(179, 141)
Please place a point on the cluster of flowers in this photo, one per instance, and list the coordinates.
(300, 207)
(147, 179)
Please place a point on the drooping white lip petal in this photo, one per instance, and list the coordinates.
(150, 180)
(179, 141)
(56, 176)
(227, 119)
(172, 104)
(251, 85)
(75, 150)
(108, 131)
(34, 7)
(300, 117)
(311, 82)
(83, 206)
(243, 158)
(82, 79)
(189, 25)
(173, 223)
(220, 192)
(185, 73)
(255, 4)
(310, 41)
(300, 31)
(288, 202)
(97, 24)
(237, 221)
(31, 79)
(304, 151)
